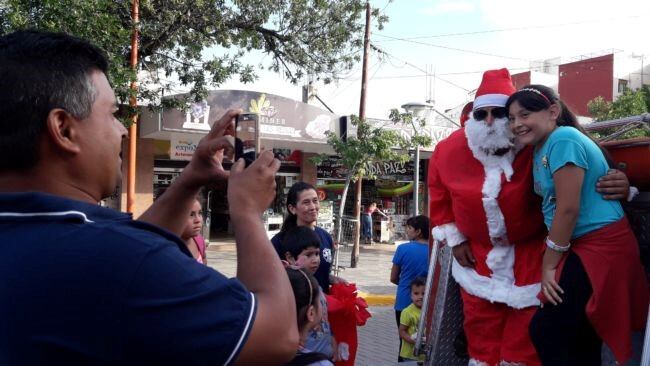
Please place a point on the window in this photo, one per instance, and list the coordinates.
(622, 85)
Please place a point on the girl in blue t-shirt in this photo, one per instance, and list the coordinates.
(410, 261)
(591, 272)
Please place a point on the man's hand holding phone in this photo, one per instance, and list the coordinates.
(206, 164)
(247, 137)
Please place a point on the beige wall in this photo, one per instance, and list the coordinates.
(143, 178)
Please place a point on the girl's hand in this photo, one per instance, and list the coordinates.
(550, 288)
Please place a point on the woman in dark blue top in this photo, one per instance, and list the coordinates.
(302, 210)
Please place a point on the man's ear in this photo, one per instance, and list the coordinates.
(62, 130)
(291, 209)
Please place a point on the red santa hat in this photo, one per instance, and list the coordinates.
(464, 114)
(494, 90)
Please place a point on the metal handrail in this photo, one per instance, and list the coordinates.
(643, 118)
(418, 349)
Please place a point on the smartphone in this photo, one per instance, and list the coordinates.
(247, 137)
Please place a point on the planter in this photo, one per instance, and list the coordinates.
(632, 156)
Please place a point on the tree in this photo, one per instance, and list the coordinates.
(599, 108)
(371, 144)
(630, 103)
(317, 37)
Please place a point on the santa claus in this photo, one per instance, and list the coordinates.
(483, 206)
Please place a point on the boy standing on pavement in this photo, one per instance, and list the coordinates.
(82, 284)
(409, 320)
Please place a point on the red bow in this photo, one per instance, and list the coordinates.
(343, 298)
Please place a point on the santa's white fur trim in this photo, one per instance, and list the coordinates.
(506, 363)
(490, 100)
(475, 362)
(448, 233)
(496, 288)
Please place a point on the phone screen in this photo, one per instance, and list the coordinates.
(247, 137)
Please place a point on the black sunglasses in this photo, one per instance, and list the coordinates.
(497, 113)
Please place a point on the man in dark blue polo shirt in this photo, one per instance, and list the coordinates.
(82, 284)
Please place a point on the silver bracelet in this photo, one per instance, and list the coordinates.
(558, 248)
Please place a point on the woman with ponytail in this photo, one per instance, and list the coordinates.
(302, 210)
(593, 286)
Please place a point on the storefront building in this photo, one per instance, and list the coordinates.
(295, 132)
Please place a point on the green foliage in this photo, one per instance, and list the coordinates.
(371, 144)
(319, 37)
(416, 125)
(599, 108)
(630, 103)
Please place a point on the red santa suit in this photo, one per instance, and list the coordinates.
(502, 288)
(488, 201)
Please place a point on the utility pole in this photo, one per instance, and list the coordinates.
(362, 115)
(133, 103)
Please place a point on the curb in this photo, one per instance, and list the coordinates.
(377, 299)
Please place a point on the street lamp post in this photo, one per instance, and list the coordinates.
(419, 111)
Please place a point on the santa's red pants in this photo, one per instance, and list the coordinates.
(496, 332)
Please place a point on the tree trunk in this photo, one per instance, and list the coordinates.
(344, 197)
(357, 228)
(339, 219)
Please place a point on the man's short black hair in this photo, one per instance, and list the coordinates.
(40, 71)
(298, 239)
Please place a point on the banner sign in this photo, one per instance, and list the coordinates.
(183, 147)
(280, 118)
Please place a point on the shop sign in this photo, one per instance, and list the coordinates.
(183, 147)
(388, 168)
(280, 118)
(331, 168)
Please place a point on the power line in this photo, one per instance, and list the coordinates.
(417, 68)
(385, 6)
(393, 39)
(528, 68)
(458, 49)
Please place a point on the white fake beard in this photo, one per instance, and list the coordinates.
(491, 138)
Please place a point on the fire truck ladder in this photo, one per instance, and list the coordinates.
(442, 314)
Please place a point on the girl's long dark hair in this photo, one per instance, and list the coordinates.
(303, 284)
(534, 102)
(291, 220)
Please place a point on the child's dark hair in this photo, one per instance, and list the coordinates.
(418, 281)
(291, 220)
(421, 223)
(537, 97)
(306, 292)
(298, 239)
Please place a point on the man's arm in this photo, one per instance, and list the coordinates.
(274, 337)
(170, 210)
(614, 185)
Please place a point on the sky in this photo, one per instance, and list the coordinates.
(456, 40)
